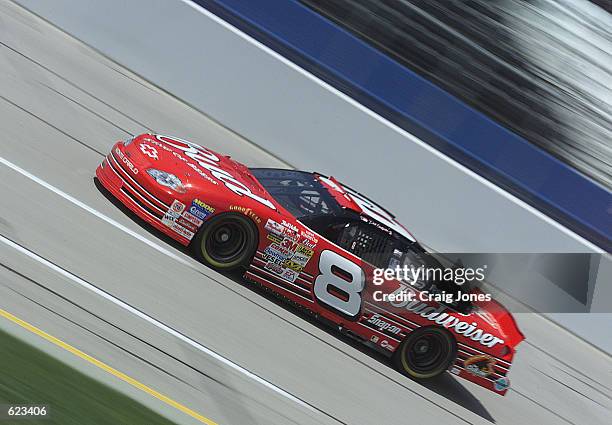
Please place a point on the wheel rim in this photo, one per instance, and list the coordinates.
(427, 352)
(226, 242)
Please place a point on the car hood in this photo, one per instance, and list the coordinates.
(200, 168)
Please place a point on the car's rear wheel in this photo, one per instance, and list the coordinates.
(226, 242)
(425, 353)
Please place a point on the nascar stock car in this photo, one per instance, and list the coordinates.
(315, 243)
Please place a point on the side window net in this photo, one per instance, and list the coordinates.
(368, 243)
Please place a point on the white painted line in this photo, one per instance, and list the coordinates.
(393, 126)
(94, 212)
(124, 305)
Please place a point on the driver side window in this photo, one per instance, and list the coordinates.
(367, 242)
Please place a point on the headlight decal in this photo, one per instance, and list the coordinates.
(166, 179)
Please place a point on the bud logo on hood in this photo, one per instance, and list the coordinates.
(209, 161)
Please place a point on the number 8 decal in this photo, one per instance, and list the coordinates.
(350, 279)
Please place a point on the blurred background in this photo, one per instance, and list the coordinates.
(541, 68)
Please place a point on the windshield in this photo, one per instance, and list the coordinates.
(297, 191)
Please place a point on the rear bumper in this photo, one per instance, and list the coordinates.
(496, 381)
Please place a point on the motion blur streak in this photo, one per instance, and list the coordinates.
(541, 68)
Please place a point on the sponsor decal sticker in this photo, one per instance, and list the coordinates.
(290, 226)
(276, 251)
(192, 219)
(293, 266)
(173, 213)
(502, 384)
(186, 224)
(286, 274)
(200, 209)
(290, 234)
(480, 365)
(301, 249)
(383, 325)
(289, 275)
(182, 231)
(276, 268)
(308, 243)
(309, 235)
(274, 238)
(274, 227)
(170, 217)
(177, 206)
(126, 161)
(246, 211)
(285, 256)
(203, 205)
(300, 259)
(286, 229)
(149, 151)
(283, 248)
(274, 260)
(387, 345)
(374, 339)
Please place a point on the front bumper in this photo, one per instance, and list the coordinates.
(127, 187)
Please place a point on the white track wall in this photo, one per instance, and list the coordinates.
(260, 95)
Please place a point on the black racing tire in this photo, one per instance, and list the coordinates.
(226, 242)
(426, 353)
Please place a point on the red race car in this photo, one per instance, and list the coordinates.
(318, 244)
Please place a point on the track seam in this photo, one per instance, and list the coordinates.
(70, 83)
(10, 102)
(150, 345)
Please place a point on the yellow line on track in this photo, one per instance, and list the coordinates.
(106, 368)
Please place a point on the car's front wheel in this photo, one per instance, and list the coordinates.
(226, 242)
(425, 353)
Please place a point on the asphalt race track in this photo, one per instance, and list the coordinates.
(79, 268)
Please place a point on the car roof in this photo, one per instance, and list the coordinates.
(346, 198)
